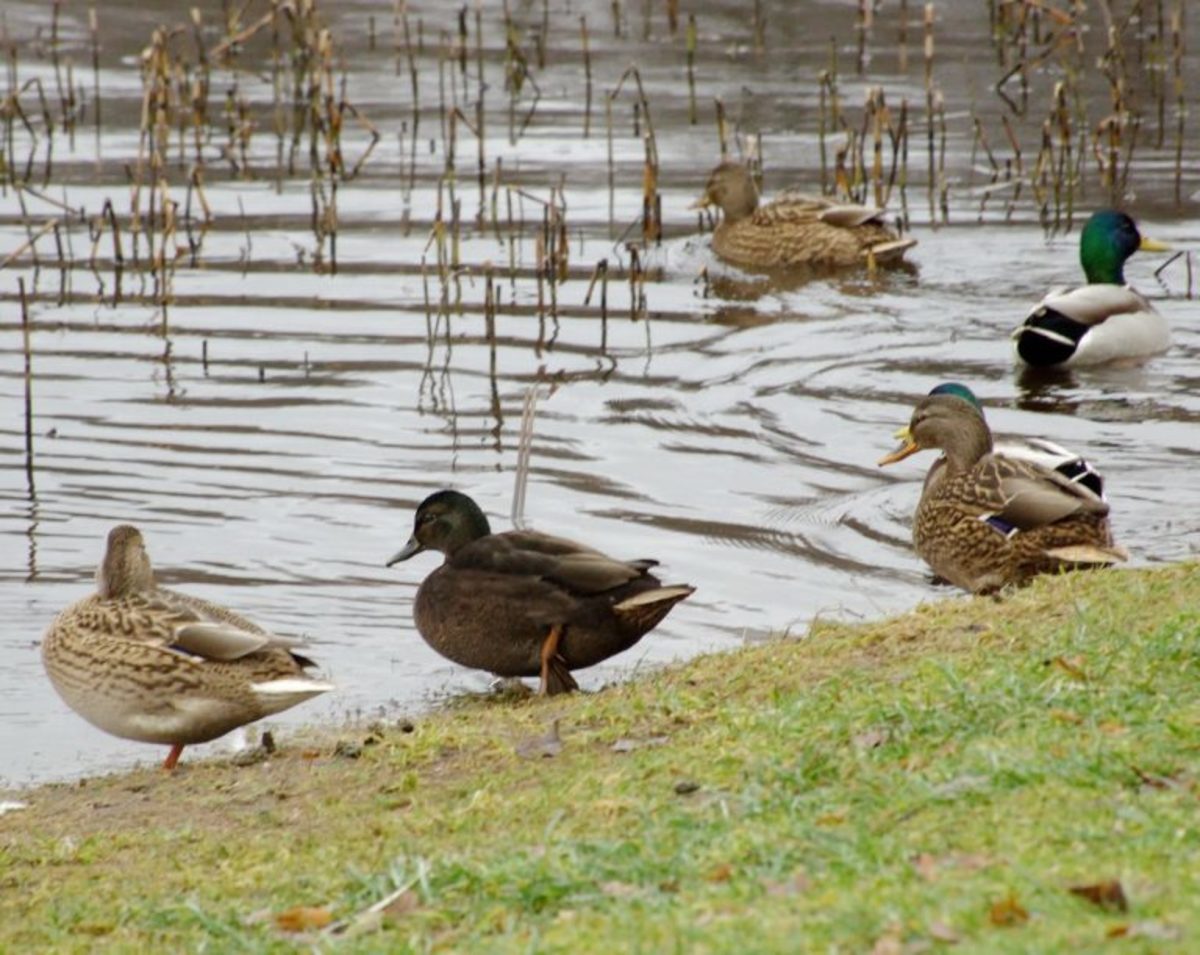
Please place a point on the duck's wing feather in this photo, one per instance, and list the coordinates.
(203, 629)
(1092, 304)
(1026, 496)
(576, 567)
(792, 205)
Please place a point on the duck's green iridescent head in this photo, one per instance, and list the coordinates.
(444, 521)
(958, 391)
(1109, 238)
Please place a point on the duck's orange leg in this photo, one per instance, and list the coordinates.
(549, 649)
(173, 757)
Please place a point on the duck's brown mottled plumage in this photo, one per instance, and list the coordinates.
(985, 520)
(150, 664)
(522, 603)
(794, 230)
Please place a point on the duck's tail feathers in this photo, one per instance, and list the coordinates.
(1089, 554)
(284, 693)
(883, 252)
(646, 609)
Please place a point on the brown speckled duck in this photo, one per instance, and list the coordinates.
(150, 664)
(987, 520)
(522, 603)
(794, 230)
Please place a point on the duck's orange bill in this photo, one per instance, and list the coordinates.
(907, 448)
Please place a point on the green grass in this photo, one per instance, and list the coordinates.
(893, 785)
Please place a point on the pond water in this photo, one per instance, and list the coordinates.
(273, 436)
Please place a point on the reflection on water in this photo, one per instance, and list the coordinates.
(273, 433)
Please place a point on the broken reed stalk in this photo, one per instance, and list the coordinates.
(28, 349)
(587, 77)
(690, 46)
(822, 125)
(1019, 176)
(722, 129)
(862, 26)
(94, 32)
(877, 109)
(928, 25)
(600, 273)
(902, 39)
(524, 453)
(480, 117)
(1180, 103)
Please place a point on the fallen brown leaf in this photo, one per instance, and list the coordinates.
(406, 902)
(302, 918)
(1066, 716)
(1154, 781)
(1161, 931)
(871, 739)
(926, 866)
(1108, 895)
(629, 745)
(1008, 912)
(796, 885)
(722, 872)
(618, 890)
(941, 932)
(1072, 666)
(888, 943)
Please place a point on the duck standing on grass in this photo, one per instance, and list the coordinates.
(153, 665)
(794, 230)
(522, 603)
(985, 521)
(1105, 320)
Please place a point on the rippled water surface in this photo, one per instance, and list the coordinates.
(274, 434)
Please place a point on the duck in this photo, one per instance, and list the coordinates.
(985, 521)
(154, 665)
(1106, 319)
(523, 603)
(1041, 451)
(794, 230)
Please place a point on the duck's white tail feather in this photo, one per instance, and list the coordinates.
(281, 694)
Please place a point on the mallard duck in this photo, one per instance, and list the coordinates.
(986, 521)
(150, 664)
(1105, 320)
(795, 230)
(522, 603)
(1041, 451)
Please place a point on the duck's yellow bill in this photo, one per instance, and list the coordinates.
(909, 447)
(1153, 245)
(703, 202)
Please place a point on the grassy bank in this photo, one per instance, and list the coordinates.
(942, 777)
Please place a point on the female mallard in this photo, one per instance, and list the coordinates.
(1105, 320)
(1053, 457)
(794, 230)
(522, 603)
(985, 521)
(149, 664)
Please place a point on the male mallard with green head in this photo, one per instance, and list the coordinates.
(794, 230)
(522, 603)
(986, 521)
(150, 664)
(1105, 320)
